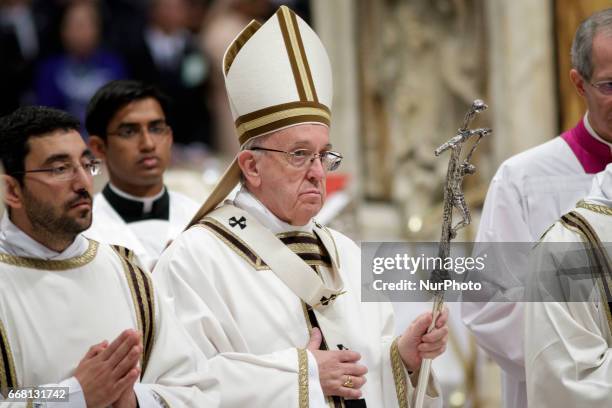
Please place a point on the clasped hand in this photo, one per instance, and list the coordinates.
(107, 373)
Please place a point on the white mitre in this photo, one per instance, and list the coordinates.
(277, 75)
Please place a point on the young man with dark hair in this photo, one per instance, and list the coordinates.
(36, 208)
(75, 313)
(128, 128)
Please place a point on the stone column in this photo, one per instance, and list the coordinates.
(334, 22)
(522, 75)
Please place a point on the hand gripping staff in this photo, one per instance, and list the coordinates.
(453, 199)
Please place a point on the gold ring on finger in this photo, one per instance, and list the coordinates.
(348, 383)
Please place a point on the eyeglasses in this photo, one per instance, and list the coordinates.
(605, 87)
(67, 171)
(133, 131)
(300, 157)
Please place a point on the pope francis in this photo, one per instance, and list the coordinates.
(271, 296)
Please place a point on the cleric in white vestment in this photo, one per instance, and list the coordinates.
(531, 190)
(128, 129)
(568, 342)
(76, 313)
(271, 296)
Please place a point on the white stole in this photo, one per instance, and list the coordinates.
(289, 267)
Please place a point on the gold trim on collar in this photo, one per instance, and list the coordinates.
(53, 265)
(601, 209)
(399, 375)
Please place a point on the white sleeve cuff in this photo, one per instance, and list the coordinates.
(76, 398)
(315, 392)
(145, 396)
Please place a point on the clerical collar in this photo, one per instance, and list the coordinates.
(590, 149)
(14, 241)
(589, 128)
(247, 201)
(132, 208)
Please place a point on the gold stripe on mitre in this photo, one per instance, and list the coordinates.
(296, 53)
(238, 43)
(280, 116)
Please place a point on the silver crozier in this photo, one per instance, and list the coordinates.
(453, 199)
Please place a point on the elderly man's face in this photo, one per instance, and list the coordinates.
(599, 105)
(293, 194)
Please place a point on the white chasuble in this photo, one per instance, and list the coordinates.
(53, 311)
(528, 193)
(568, 344)
(252, 324)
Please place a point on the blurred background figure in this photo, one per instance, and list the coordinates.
(122, 20)
(68, 80)
(19, 48)
(224, 22)
(166, 54)
(197, 12)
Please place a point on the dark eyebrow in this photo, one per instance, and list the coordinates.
(65, 157)
(134, 124)
(128, 125)
(56, 157)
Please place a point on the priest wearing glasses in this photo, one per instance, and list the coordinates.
(77, 315)
(128, 126)
(271, 296)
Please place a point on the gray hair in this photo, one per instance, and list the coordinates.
(582, 46)
(255, 142)
(251, 143)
